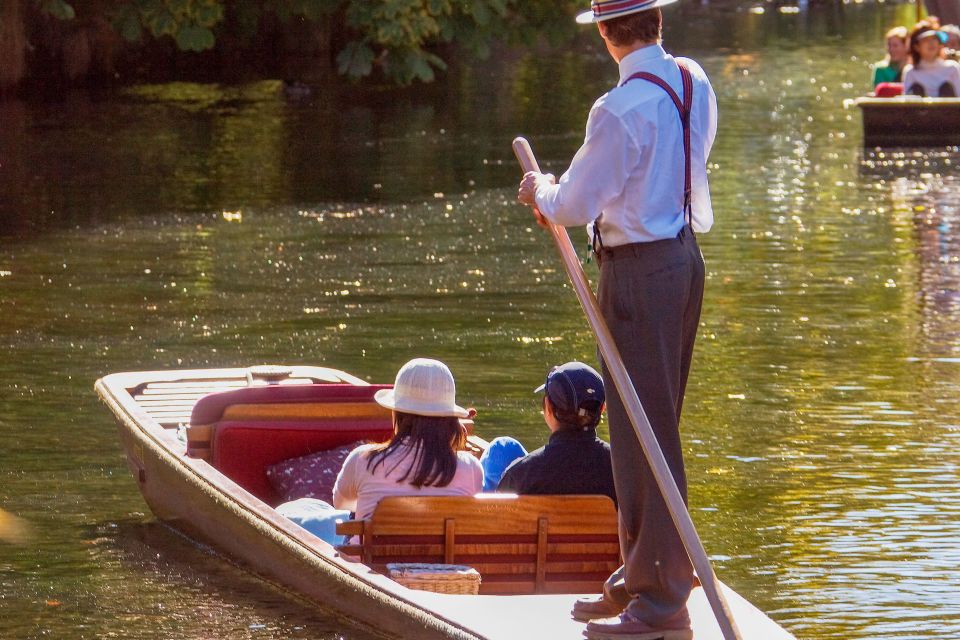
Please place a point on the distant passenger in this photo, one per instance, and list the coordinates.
(929, 75)
(425, 456)
(575, 460)
(953, 41)
(890, 69)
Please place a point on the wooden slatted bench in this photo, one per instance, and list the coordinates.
(519, 544)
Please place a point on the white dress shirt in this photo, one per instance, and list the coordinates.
(631, 165)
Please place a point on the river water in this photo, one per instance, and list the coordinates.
(191, 226)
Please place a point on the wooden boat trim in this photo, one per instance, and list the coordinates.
(266, 520)
(905, 101)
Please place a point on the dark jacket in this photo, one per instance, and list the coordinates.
(572, 462)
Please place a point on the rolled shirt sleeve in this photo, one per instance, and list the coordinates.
(596, 176)
(345, 490)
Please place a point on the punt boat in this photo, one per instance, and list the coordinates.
(910, 121)
(197, 443)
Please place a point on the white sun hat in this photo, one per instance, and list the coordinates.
(601, 10)
(423, 387)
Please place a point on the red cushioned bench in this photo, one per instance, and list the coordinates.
(243, 431)
(888, 90)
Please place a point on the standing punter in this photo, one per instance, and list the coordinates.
(640, 178)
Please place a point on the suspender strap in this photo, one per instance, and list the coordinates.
(683, 108)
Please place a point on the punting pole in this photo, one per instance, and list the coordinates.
(638, 417)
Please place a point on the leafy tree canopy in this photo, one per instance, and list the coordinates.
(403, 39)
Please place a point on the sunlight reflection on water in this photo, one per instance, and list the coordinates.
(822, 419)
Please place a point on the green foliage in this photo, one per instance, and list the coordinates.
(58, 9)
(313, 10)
(356, 60)
(189, 22)
(403, 32)
(400, 40)
(195, 38)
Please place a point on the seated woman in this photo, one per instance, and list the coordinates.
(425, 456)
(890, 69)
(929, 75)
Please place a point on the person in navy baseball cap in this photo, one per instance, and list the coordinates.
(574, 460)
(575, 392)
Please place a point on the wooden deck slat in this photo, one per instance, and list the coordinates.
(209, 382)
(152, 397)
(173, 419)
(148, 394)
(215, 384)
(167, 415)
(151, 405)
(200, 386)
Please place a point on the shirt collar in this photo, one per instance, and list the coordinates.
(572, 434)
(640, 60)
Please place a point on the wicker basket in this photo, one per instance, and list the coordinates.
(439, 578)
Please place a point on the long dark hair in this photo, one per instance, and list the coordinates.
(433, 442)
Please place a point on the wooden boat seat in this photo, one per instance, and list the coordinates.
(243, 431)
(519, 544)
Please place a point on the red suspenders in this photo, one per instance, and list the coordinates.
(683, 108)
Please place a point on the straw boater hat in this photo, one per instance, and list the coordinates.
(424, 387)
(601, 10)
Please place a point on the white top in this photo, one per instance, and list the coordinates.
(931, 75)
(359, 490)
(630, 167)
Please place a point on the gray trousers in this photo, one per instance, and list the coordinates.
(650, 295)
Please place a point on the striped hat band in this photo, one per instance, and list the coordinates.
(607, 9)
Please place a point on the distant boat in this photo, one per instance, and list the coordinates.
(198, 441)
(909, 121)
